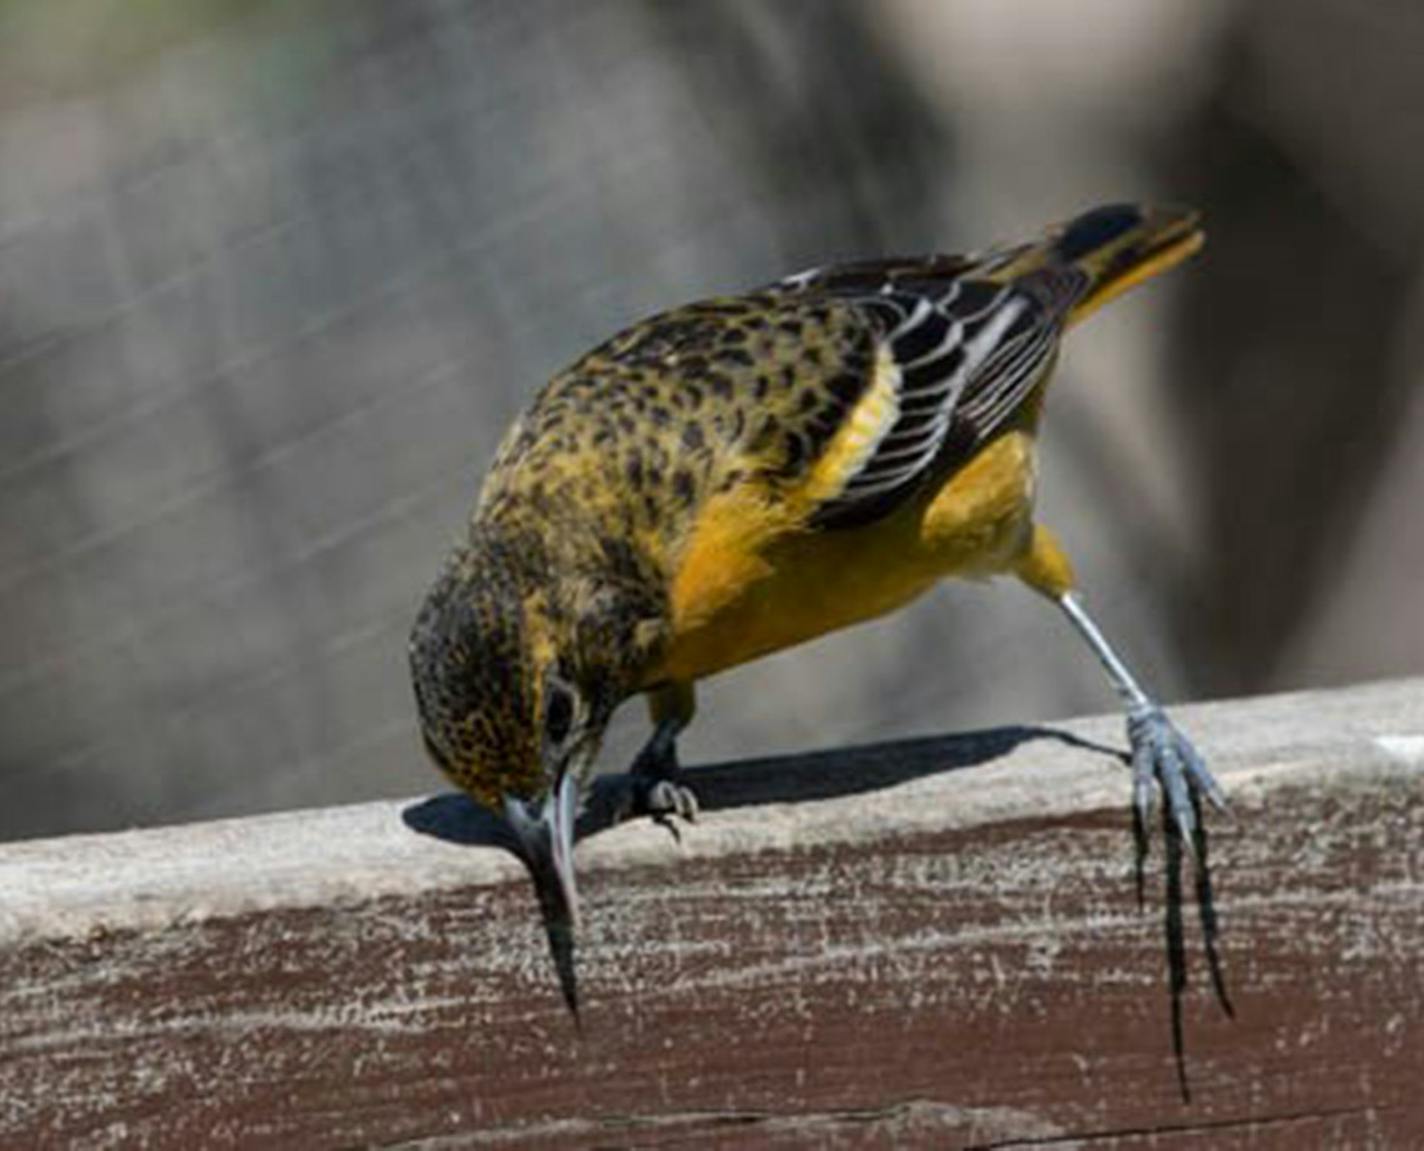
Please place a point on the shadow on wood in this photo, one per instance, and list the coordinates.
(839, 774)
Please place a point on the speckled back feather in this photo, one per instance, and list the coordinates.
(641, 431)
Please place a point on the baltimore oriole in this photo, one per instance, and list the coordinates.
(748, 472)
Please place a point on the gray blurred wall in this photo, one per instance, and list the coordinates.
(273, 278)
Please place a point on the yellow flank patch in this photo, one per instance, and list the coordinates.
(727, 551)
(1045, 567)
(723, 556)
(979, 521)
(736, 599)
(805, 584)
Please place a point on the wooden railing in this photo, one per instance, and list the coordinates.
(928, 943)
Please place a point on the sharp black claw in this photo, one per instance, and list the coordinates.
(658, 791)
(670, 825)
(1162, 754)
(1202, 780)
(666, 801)
(635, 795)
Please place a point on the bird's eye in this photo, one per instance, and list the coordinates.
(558, 712)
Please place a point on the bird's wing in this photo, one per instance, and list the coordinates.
(958, 352)
(829, 397)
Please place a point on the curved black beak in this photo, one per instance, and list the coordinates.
(547, 843)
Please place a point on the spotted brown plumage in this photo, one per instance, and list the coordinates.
(745, 473)
(642, 430)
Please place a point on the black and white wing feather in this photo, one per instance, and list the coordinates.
(968, 351)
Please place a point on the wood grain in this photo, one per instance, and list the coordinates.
(936, 943)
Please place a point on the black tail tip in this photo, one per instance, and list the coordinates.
(1096, 229)
(1105, 226)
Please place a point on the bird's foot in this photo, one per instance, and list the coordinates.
(664, 801)
(1162, 753)
(657, 790)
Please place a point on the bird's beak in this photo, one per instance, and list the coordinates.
(560, 815)
(548, 843)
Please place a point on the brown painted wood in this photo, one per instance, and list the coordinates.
(988, 985)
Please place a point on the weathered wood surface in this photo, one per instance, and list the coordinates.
(932, 943)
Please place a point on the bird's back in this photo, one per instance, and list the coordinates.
(636, 438)
(821, 449)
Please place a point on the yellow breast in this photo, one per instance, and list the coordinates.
(753, 580)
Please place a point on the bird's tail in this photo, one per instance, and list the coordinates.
(1107, 251)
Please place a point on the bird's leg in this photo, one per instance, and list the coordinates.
(1159, 752)
(1159, 749)
(658, 790)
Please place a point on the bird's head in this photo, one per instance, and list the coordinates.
(510, 713)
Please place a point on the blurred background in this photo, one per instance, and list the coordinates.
(274, 277)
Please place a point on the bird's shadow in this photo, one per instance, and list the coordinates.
(854, 771)
(749, 783)
(609, 799)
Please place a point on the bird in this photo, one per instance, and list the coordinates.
(745, 473)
